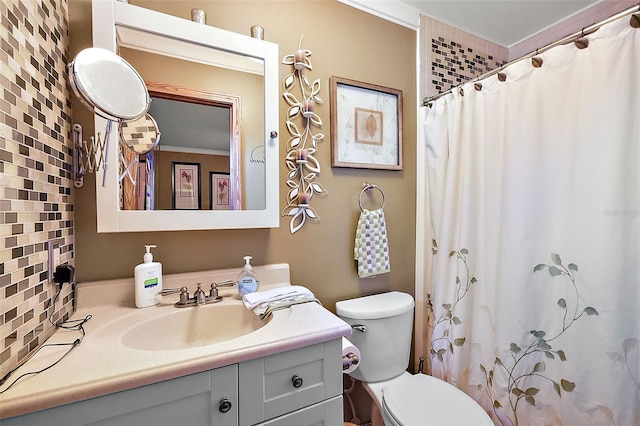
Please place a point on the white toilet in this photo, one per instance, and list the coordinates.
(382, 326)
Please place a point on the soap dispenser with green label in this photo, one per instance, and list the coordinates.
(148, 280)
(247, 279)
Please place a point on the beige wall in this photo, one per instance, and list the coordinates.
(345, 42)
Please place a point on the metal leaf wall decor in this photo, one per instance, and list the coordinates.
(302, 121)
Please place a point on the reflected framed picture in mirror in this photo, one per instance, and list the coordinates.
(142, 182)
(185, 179)
(219, 191)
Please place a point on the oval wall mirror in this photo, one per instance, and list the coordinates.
(108, 84)
(140, 135)
(138, 139)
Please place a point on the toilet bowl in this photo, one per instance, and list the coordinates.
(422, 400)
(382, 326)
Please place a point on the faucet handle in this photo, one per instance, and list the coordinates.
(168, 291)
(184, 293)
(213, 292)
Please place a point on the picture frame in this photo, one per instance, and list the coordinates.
(219, 191)
(185, 186)
(366, 125)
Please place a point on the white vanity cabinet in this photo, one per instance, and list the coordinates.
(299, 387)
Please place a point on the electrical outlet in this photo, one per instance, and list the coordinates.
(57, 261)
(53, 257)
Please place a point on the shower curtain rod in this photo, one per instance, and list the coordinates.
(565, 40)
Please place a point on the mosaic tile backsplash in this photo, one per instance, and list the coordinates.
(36, 204)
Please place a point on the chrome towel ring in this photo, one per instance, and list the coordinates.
(366, 187)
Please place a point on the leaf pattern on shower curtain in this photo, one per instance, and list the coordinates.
(629, 357)
(524, 371)
(444, 341)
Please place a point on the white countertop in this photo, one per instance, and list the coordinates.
(101, 364)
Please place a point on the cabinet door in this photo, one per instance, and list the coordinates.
(326, 413)
(189, 400)
(224, 397)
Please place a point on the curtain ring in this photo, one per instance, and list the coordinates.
(582, 42)
(367, 187)
(536, 61)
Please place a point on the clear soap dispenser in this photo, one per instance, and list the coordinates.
(247, 279)
(148, 280)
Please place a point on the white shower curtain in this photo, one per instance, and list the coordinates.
(534, 201)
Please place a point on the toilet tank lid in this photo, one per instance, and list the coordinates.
(376, 306)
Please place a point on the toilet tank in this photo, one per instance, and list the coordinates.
(385, 340)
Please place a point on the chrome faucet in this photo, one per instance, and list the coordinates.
(199, 296)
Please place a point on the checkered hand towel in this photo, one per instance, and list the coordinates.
(371, 246)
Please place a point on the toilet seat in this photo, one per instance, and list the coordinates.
(419, 400)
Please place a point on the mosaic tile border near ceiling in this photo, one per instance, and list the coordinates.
(453, 64)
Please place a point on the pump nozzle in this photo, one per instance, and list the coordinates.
(247, 265)
(148, 256)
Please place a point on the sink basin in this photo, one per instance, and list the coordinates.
(192, 327)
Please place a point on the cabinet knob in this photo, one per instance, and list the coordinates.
(225, 405)
(297, 381)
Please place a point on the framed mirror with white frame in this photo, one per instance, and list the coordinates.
(150, 36)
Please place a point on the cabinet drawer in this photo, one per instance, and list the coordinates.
(326, 413)
(285, 382)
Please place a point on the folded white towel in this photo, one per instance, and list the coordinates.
(253, 300)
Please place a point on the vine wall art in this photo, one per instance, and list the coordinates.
(302, 121)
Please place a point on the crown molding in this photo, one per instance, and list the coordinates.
(390, 10)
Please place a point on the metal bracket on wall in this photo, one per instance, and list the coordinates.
(88, 157)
